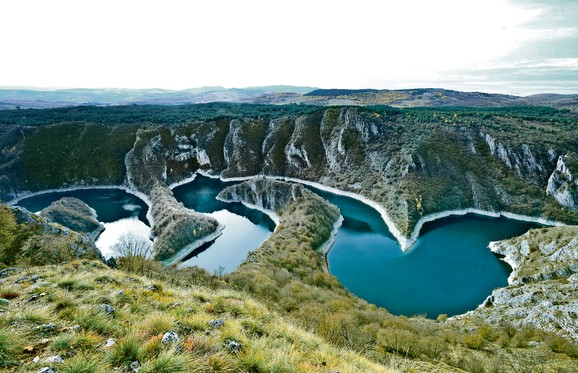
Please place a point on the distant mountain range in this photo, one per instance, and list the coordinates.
(12, 98)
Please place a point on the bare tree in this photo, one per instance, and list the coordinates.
(130, 245)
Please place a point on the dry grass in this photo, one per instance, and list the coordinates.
(268, 342)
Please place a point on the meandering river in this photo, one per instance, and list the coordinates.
(450, 270)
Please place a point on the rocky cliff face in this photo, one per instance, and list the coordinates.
(411, 163)
(562, 185)
(177, 230)
(411, 169)
(265, 194)
(543, 287)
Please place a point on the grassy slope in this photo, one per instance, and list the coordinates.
(73, 292)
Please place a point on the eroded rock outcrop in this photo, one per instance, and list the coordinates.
(264, 193)
(299, 212)
(43, 234)
(543, 287)
(177, 230)
(563, 185)
(74, 214)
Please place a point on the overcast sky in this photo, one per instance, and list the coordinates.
(505, 46)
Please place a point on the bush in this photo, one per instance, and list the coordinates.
(473, 341)
(399, 341)
(7, 233)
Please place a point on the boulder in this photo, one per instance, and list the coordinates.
(170, 337)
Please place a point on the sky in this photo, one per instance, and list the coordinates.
(504, 46)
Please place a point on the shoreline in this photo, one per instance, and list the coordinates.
(326, 246)
(186, 250)
(507, 258)
(405, 243)
(495, 214)
(136, 193)
(29, 194)
(270, 213)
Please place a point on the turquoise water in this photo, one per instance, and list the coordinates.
(110, 204)
(122, 212)
(245, 228)
(449, 271)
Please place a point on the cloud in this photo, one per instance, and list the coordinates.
(380, 44)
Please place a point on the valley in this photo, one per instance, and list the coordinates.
(412, 165)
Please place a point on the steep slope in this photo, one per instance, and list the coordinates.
(412, 163)
(99, 320)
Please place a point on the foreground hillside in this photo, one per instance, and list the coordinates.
(97, 319)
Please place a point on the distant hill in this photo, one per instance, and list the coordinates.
(339, 92)
(40, 99)
(433, 97)
(275, 95)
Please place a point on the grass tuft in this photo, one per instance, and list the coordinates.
(126, 351)
(82, 363)
(8, 344)
(168, 362)
(92, 319)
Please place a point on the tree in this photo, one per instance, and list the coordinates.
(130, 245)
(133, 252)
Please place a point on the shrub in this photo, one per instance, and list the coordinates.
(7, 233)
(399, 341)
(473, 341)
